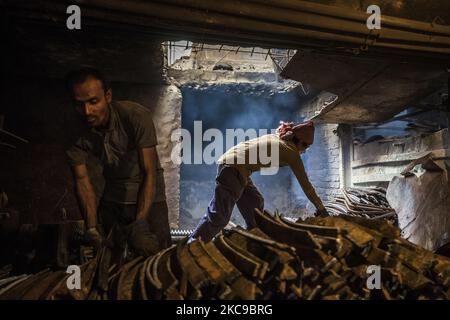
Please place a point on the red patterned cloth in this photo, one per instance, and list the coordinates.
(302, 131)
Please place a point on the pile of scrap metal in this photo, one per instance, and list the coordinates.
(320, 258)
(368, 203)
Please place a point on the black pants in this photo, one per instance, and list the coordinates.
(121, 215)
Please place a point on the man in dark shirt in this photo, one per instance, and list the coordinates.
(120, 134)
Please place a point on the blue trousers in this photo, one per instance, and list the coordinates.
(231, 189)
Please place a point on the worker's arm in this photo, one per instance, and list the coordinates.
(299, 171)
(86, 195)
(147, 162)
(141, 239)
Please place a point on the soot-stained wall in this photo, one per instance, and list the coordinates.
(36, 176)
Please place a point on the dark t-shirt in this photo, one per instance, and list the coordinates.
(130, 128)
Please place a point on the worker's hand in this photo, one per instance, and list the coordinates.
(94, 238)
(322, 213)
(141, 240)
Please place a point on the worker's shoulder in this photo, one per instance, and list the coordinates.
(275, 138)
(288, 150)
(131, 109)
(266, 138)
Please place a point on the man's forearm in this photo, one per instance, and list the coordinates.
(87, 202)
(146, 196)
(307, 187)
(311, 194)
(314, 198)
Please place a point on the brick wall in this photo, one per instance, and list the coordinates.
(322, 159)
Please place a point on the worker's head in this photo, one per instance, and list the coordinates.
(302, 134)
(91, 95)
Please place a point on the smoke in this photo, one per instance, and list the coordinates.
(238, 106)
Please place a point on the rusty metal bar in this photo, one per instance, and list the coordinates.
(172, 20)
(314, 20)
